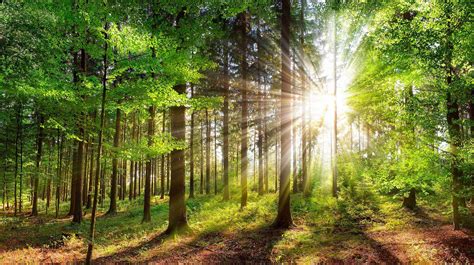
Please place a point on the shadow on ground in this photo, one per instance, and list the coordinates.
(249, 246)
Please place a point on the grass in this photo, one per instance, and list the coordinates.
(324, 227)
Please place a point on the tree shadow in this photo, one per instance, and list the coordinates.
(248, 246)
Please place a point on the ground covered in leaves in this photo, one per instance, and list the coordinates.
(366, 230)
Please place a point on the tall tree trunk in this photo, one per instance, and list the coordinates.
(124, 161)
(177, 205)
(201, 183)
(260, 118)
(215, 153)
(225, 129)
(294, 127)
(276, 161)
(39, 153)
(283, 219)
(17, 139)
(191, 152)
(48, 173)
(84, 179)
(77, 179)
(99, 151)
(244, 28)
(304, 133)
(5, 169)
(162, 180)
(151, 132)
(454, 128)
(265, 135)
(113, 182)
(20, 202)
(135, 163)
(208, 153)
(334, 136)
(59, 171)
(91, 174)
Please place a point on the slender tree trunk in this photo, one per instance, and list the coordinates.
(215, 153)
(84, 179)
(283, 219)
(276, 162)
(5, 169)
(39, 153)
(191, 152)
(244, 28)
(260, 118)
(201, 183)
(334, 136)
(130, 188)
(265, 135)
(225, 129)
(91, 175)
(304, 133)
(454, 129)
(294, 127)
(20, 197)
(48, 173)
(162, 184)
(208, 154)
(99, 151)
(59, 171)
(17, 139)
(168, 172)
(124, 161)
(151, 132)
(113, 182)
(135, 163)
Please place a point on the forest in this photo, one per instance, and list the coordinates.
(237, 131)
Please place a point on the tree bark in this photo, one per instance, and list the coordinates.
(208, 153)
(177, 205)
(260, 118)
(191, 152)
(244, 28)
(454, 129)
(162, 180)
(113, 182)
(99, 151)
(17, 139)
(39, 153)
(201, 183)
(410, 201)
(147, 200)
(334, 136)
(304, 144)
(294, 127)
(225, 129)
(283, 219)
(215, 153)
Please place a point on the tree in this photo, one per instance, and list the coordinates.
(208, 153)
(98, 169)
(113, 181)
(283, 219)
(243, 30)
(177, 207)
(225, 125)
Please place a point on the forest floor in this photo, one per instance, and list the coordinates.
(369, 230)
